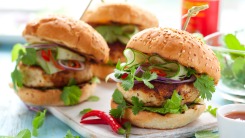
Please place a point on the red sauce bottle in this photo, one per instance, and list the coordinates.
(206, 22)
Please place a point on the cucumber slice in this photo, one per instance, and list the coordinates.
(48, 67)
(134, 57)
(182, 73)
(64, 54)
(155, 59)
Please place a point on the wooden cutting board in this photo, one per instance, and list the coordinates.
(70, 116)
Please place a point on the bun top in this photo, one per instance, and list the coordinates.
(121, 13)
(180, 46)
(72, 34)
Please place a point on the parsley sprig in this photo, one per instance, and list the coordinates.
(172, 105)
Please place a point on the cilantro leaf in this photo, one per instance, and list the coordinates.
(117, 97)
(70, 135)
(93, 98)
(37, 122)
(137, 105)
(127, 126)
(206, 134)
(190, 72)
(172, 105)
(17, 49)
(84, 111)
(71, 95)
(17, 78)
(26, 133)
(212, 110)
(29, 58)
(71, 82)
(128, 83)
(205, 86)
(147, 77)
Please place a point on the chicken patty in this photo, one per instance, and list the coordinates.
(160, 93)
(116, 52)
(35, 76)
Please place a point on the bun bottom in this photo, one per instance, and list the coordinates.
(102, 70)
(51, 97)
(146, 119)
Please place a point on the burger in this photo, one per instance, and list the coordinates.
(167, 76)
(54, 67)
(117, 22)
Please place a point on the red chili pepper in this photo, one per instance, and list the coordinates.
(159, 72)
(57, 65)
(94, 121)
(116, 127)
(46, 54)
(124, 76)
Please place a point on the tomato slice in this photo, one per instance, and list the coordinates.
(159, 72)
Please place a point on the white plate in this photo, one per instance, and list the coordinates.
(234, 98)
(223, 88)
(70, 116)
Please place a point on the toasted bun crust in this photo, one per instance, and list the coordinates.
(146, 119)
(102, 70)
(73, 34)
(121, 13)
(50, 97)
(177, 45)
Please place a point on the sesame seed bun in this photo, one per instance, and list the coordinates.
(51, 97)
(146, 119)
(72, 34)
(180, 46)
(121, 13)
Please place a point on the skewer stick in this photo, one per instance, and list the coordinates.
(86, 9)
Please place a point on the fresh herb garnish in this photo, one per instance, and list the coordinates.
(37, 122)
(25, 133)
(205, 86)
(84, 111)
(212, 110)
(70, 135)
(26, 56)
(147, 77)
(206, 134)
(71, 95)
(95, 80)
(93, 98)
(172, 105)
(118, 98)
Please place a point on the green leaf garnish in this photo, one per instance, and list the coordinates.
(17, 78)
(205, 86)
(232, 42)
(37, 122)
(147, 77)
(206, 134)
(212, 110)
(95, 80)
(118, 98)
(84, 111)
(172, 105)
(16, 50)
(93, 98)
(30, 57)
(137, 105)
(25, 133)
(70, 135)
(71, 95)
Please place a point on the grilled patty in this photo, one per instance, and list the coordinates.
(160, 93)
(116, 52)
(35, 77)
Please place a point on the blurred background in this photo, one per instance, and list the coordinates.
(15, 14)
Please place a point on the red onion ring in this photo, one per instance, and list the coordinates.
(82, 66)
